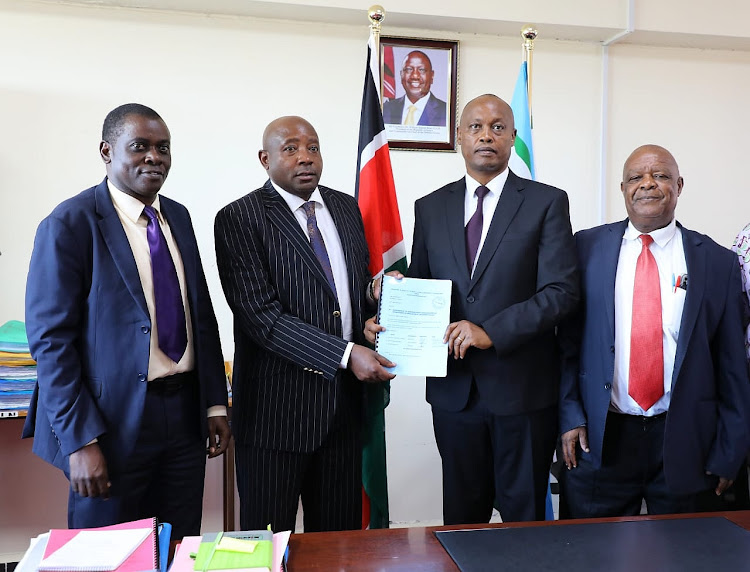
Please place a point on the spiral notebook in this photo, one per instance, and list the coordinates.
(127, 547)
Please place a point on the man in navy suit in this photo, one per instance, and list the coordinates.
(293, 260)
(422, 107)
(655, 395)
(507, 246)
(125, 400)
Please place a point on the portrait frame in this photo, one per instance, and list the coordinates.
(435, 129)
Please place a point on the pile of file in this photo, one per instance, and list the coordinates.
(17, 369)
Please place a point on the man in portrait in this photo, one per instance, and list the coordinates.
(418, 106)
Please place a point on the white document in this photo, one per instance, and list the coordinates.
(415, 314)
(95, 550)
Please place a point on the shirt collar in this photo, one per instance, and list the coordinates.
(129, 206)
(661, 236)
(495, 185)
(420, 103)
(296, 202)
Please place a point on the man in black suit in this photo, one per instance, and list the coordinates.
(506, 244)
(292, 258)
(418, 106)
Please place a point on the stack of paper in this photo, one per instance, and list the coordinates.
(17, 369)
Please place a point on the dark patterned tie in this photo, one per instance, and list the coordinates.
(317, 243)
(646, 378)
(170, 312)
(474, 228)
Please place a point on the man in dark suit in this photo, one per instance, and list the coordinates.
(655, 396)
(119, 320)
(506, 244)
(293, 263)
(423, 108)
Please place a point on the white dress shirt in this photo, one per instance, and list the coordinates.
(670, 257)
(488, 205)
(134, 222)
(419, 104)
(335, 254)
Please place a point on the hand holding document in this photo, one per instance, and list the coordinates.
(415, 314)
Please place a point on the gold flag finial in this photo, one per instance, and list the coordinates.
(376, 14)
(529, 34)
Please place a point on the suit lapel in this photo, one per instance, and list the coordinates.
(695, 258)
(508, 204)
(454, 216)
(605, 264)
(279, 215)
(182, 235)
(342, 222)
(118, 245)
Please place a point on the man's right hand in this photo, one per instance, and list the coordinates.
(88, 472)
(369, 365)
(569, 441)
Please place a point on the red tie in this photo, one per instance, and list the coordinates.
(646, 383)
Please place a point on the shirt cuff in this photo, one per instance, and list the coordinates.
(345, 358)
(217, 411)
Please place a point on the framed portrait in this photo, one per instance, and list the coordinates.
(418, 90)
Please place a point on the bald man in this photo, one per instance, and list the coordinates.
(507, 246)
(292, 258)
(655, 396)
(418, 105)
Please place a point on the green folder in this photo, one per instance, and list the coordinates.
(210, 557)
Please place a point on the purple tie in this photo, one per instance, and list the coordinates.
(474, 228)
(316, 241)
(170, 313)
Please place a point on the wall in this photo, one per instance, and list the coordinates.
(217, 80)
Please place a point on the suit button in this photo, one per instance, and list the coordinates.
(336, 314)
(470, 299)
(607, 386)
(141, 377)
(612, 349)
(145, 329)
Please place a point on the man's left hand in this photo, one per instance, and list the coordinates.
(218, 435)
(463, 335)
(378, 282)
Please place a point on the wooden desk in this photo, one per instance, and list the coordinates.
(412, 549)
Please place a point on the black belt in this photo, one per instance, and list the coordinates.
(640, 419)
(172, 383)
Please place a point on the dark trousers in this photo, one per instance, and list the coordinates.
(164, 475)
(489, 457)
(329, 481)
(632, 471)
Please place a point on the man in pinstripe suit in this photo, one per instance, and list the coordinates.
(292, 258)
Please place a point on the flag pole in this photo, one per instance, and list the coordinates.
(376, 14)
(529, 34)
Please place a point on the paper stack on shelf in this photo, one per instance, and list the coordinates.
(17, 369)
